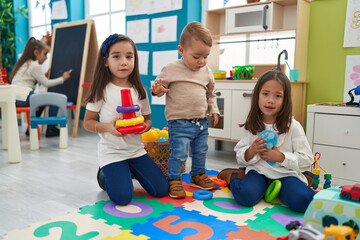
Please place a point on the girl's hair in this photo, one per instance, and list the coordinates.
(102, 74)
(254, 122)
(28, 53)
(195, 30)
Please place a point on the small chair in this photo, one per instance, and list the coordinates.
(48, 98)
(27, 111)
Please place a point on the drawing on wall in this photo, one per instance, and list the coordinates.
(138, 30)
(352, 25)
(137, 7)
(143, 62)
(158, 100)
(164, 29)
(164, 6)
(162, 58)
(352, 75)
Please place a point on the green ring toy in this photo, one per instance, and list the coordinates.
(272, 191)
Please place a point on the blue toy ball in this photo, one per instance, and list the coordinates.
(271, 140)
(162, 139)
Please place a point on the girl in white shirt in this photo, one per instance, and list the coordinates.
(271, 109)
(28, 72)
(121, 156)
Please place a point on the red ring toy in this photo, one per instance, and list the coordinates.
(219, 182)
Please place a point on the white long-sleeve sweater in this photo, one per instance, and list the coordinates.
(31, 73)
(293, 144)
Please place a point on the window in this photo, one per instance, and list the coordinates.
(108, 15)
(39, 18)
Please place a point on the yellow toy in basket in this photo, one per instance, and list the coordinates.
(150, 136)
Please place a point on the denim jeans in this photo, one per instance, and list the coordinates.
(53, 110)
(250, 190)
(119, 185)
(182, 133)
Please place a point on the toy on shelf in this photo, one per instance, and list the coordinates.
(316, 172)
(351, 192)
(130, 123)
(243, 72)
(271, 140)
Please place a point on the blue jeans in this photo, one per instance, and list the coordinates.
(183, 132)
(118, 182)
(53, 110)
(250, 190)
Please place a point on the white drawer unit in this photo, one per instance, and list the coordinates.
(334, 132)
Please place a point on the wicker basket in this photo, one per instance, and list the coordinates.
(159, 151)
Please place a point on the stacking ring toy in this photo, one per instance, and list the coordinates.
(130, 122)
(219, 182)
(133, 108)
(272, 191)
(202, 195)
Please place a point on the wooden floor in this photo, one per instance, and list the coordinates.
(52, 181)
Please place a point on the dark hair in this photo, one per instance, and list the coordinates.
(254, 122)
(197, 31)
(102, 75)
(28, 53)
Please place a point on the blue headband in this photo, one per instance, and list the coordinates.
(107, 43)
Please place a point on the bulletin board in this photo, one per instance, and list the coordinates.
(74, 47)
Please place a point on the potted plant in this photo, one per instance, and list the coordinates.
(7, 33)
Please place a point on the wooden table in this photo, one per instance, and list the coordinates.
(10, 132)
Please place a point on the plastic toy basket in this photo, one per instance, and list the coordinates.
(159, 151)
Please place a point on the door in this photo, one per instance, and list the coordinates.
(222, 130)
(241, 101)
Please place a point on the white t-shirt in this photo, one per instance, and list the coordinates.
(293, 144)
(110, 148)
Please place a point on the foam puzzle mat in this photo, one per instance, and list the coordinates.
(166, 218)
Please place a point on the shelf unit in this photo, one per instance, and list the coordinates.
(295, 16)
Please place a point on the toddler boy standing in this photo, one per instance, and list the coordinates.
(190, 87)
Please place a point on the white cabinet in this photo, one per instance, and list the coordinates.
(334, 132)
(234, 99)
(234, 104)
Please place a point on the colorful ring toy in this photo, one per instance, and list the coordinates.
(133, 108)
(272, 191)
(131, 129)
(202, 195)
(219, 182)
(130, 122)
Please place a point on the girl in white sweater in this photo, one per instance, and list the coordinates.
(27, 72)
(271, 109)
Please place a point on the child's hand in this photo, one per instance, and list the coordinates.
(272, 155)
(256, 147)
(216, 118)
(157, 88)
(66, 75)
(111, 128)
